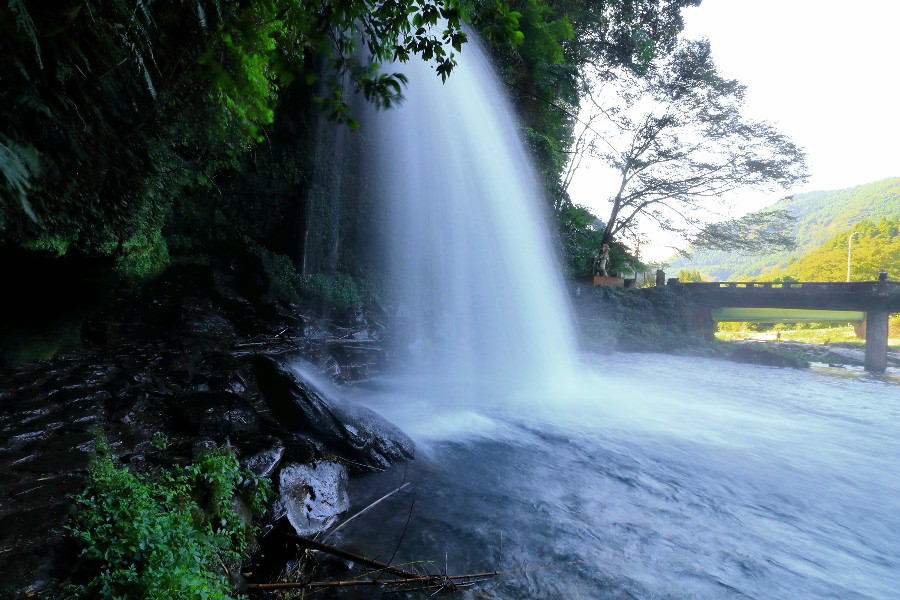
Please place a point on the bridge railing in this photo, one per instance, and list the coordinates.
(771, 285)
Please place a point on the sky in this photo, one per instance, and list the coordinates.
(826, 73)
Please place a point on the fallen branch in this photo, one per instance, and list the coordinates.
(365, 510)
(426, 581)
(357, 558)
(435, 580)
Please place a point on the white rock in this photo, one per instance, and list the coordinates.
(313, 495)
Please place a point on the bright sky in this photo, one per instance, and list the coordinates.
(826, 72)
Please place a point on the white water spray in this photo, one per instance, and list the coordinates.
(472, 268)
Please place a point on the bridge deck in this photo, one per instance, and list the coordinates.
(855, 296)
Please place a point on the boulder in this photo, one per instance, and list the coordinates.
(312, 496)
(351, 431)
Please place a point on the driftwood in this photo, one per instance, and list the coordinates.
(357, 558)
(404, 578)
(434, 580)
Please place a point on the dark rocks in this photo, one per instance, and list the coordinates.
(169, 372)
(351, 431)
(200, 320)
(216, 415)
(263, 454)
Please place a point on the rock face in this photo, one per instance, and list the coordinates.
(216, 414)
(312, 496)
(263, 454)
(352, 432)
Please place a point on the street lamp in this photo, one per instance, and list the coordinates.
(849, 248)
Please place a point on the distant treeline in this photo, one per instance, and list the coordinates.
(822, 219)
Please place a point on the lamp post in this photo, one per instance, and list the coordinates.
(849, 249)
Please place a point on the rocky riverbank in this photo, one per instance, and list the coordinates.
(661, 319)
(191, 362)
(835, 355)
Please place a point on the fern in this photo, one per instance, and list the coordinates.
(24, 23)
(17, 165)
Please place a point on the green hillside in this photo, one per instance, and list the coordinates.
(819, 216)
(876, 248)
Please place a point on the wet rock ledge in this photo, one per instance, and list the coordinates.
(191, 362)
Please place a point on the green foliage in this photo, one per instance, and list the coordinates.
(164, 535)
(545, 49)
(876, 248)
(112, 110)
(757, 232)
(333, 290)
(284, 281)
(686, 276)
(319, 290)
(581, 234)
(817, 216)
(54, 244)
(160, 441)
(142, 255)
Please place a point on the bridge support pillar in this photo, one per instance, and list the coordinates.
(876, 340)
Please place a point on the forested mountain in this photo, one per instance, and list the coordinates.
(875, 248)
(820, 218)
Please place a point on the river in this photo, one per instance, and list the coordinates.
(654, 477)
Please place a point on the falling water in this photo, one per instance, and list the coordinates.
(475, 284)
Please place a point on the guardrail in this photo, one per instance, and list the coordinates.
(769, 285)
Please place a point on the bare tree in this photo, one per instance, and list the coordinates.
(679, 143)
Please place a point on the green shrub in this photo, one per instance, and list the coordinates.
(55, 244)
(143, 255)
(284, 281)
(165, 535)
(337, 290)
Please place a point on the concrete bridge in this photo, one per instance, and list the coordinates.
(871, 302)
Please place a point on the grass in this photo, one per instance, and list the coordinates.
(828, 335)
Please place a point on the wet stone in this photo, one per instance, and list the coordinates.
(263, 454)
(312, 496)
(28, 436)
(351, 431)
(23, 525)
(216, 414)
(46, 490)
(58, 461)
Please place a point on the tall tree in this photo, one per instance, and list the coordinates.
(679, 142)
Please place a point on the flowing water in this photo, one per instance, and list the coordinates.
(664, 477)
(616, 477)
(473, 273)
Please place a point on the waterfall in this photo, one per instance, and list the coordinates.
(474, 278)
